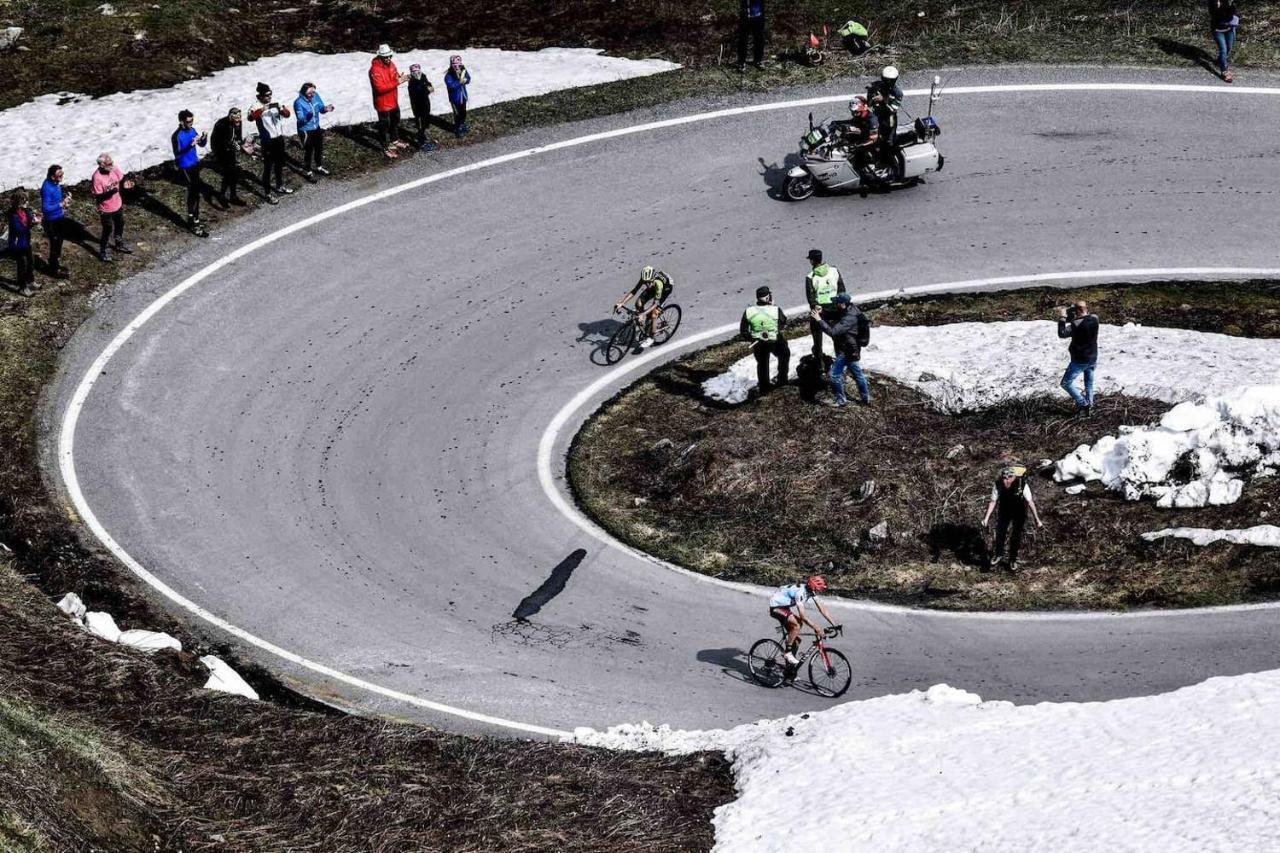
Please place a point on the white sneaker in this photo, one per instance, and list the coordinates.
(646, 343)
(791, 659)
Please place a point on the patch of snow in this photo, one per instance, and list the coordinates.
(1266, 535)
(1191, 770)
(970, 366)
(9, 37)
(102, 625)
(1076, 489)
(149, 641)
(106, 9)
(71, 605)
(71, 129)
(226, 679)
(1218, 443)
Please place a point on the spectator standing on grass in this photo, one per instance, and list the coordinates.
(226, 142)
(106, 184)
(751, 24)
(1081, 327)
(850, 333)
(22, 219)
(762, 324)
(307, 109)
(53, 212)
(1223, 21)
(420, 90)
(269, 115)
(821, 285)
(186, 142)
(386, 80)
(456, 80)
(1010, 499)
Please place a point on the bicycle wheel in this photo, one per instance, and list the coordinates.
(766, 663)
(621, 342)
(668, 322)
(830, 679)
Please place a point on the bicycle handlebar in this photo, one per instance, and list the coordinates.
(833, 631)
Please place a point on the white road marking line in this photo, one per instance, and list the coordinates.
(71, 417)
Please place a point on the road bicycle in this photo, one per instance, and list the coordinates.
(635, 327)
(829, 670)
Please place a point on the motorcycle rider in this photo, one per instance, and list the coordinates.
(885, 96)
(859, 134)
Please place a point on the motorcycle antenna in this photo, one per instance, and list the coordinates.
(935, 93)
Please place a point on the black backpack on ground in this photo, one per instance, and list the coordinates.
(812, 378)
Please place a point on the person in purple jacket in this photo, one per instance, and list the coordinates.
(22, 219)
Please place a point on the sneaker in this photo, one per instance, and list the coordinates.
(309, 175)
(105, 256)
(400, 144)
(996, 560)
(123, 248)
(271, 199)
(835, 404)
(1227, 77)
(27, 290)
(391, 154)
(646, 343)
(283, 190)
(742, 68)
(791, 659)
(458, 133)
(321, 170)
(428, 146)
(1013, 566)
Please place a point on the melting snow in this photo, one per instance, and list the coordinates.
(1267, 535)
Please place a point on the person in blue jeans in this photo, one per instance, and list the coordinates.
(1223, 22)
(1081, 327)
(850, 333)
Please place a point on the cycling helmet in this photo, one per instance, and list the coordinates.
(816, 583)
(889, 74)
(646, 273)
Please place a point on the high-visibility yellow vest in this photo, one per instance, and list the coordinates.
(826, 283)
(763, 320)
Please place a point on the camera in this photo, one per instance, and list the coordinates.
(1071, 313)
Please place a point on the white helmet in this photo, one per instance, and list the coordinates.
(889, 73)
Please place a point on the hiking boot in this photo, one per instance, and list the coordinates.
(321, 170)
(105, 256)
(123, 248)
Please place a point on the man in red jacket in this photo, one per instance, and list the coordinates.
(386, 81)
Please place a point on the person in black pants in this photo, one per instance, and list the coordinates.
(420, 90)
(751, 23)
(1010, 499)
(227, 141)
(763, 323)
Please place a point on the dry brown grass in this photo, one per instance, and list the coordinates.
(775, 486)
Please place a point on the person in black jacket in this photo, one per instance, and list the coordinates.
(751, 24)
(420, 90)
(1010, 500)
(1081, 327)
(1223, 22)
(226, 143)
(762, 324)
(850, 333)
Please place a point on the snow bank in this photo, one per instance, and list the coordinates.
(969, 366)
(225, 679)
(1192, 770)
(72, 129)
(102, 625)
(1212, 445)
(149, 641)
(1267, 535)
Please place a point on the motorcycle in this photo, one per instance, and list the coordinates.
(825, 158)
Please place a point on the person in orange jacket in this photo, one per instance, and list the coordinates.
(386, 80)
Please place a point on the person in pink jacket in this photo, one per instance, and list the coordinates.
(106, 184)
(385, 80)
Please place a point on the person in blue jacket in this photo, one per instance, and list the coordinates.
(308, 108)
(186, 142)
(53, 207)
(456, 79)
(751, 25)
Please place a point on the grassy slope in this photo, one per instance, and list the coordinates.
(227, 783)
(762, 491)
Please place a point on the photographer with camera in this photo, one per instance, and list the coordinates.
(1081, 327)
(269, 115)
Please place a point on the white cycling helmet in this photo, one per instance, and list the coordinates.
(646, 273)
(889, 73)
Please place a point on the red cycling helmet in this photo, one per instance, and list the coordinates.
(816, 583)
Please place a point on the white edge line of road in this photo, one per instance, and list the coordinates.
(554, 488)
(71, 416)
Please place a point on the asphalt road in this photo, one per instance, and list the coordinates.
(332, 442)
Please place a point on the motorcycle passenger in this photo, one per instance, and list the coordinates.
(787, 606)
(885, 96)
(859, 134)
(650, 293)
(820, 288)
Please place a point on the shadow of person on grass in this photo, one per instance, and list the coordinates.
(965, 542)
(1189, 52)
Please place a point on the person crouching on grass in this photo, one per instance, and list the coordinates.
(1010, 499)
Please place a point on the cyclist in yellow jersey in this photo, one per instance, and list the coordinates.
(650, 292)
